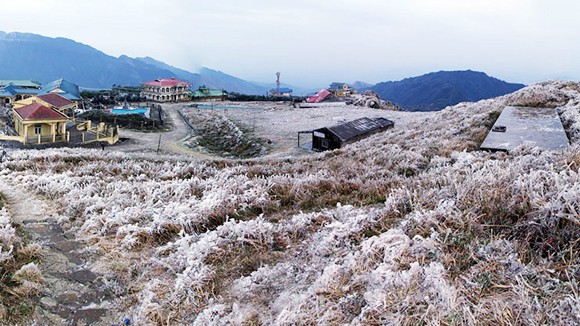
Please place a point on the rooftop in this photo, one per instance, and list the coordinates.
(36, 111)
(21, 83)
(318, 97)
(55, 100)
(64, 88)
(205, 92)
(359, 127)
(12, 90)
(165, 82)
(282, 90)
(338, 86)
(515, 126)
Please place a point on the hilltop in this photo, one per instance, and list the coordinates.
(437, 90)
(409, 226)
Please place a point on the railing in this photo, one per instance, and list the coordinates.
(12, 138)
(109, 135)
(38, 139)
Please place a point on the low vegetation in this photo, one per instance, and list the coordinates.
(216, 134)
(412, 226)
(129, 121)
(21, 280)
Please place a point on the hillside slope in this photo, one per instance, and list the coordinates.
(435, 91)
(409, 226)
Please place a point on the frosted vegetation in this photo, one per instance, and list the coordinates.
(20, 278)
(217, 134)
(411, 226)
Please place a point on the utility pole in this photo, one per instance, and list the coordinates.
(277, 83)
(159, 144)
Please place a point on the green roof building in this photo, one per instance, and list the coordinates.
(204, 93)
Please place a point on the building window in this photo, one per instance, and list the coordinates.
(37, 129)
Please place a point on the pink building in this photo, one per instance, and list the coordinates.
(166, 90)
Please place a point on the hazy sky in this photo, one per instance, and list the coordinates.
(315, 42)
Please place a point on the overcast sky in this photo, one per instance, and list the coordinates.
(316, 42)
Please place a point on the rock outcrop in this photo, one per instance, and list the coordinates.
(370, 99)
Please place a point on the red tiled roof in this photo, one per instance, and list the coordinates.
(318, 97)
(167, 82)
(37, 111)
(55, 100)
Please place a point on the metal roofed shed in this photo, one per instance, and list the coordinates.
(540, 127)
(329, 138)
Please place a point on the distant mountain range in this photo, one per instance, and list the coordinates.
(44, 59)
(435, 91)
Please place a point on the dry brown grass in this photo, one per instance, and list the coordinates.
(20, 283)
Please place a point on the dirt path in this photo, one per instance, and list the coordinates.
(171, 141)
(73, 295)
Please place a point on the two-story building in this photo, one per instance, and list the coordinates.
(340, 89)
(166, 90)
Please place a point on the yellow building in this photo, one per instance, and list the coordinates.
(43, 119)
(340, 89)
(36, 123)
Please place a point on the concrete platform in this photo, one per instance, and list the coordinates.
(540, 127)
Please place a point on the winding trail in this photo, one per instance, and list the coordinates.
(72, 295)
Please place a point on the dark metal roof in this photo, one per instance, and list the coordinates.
(359, 127)
(540, 127)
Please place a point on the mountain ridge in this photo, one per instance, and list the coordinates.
(37, 57)
(436, 90)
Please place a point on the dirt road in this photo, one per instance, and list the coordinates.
(169, 142)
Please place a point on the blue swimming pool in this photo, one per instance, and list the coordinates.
(141, 111)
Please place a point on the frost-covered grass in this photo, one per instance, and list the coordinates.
(411, 226)
(217, 134)
(20, 278)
